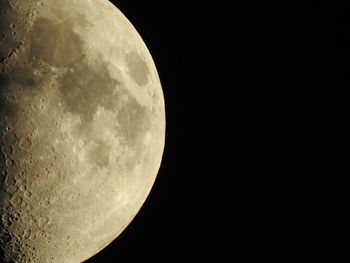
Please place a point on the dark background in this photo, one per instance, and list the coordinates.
(340, 141)
(327, 103)
(164, 227)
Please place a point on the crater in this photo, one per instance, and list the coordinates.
(138, 69)
(8, 109)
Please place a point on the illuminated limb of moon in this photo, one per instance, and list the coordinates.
(82, 128)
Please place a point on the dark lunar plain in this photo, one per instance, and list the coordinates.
(163, 229)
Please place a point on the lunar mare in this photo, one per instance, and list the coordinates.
(82, 127)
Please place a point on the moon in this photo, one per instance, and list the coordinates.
(82, 128)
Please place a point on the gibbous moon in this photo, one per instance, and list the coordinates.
(82, 127)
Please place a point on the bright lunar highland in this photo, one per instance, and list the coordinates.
(82, 128)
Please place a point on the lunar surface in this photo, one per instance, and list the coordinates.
(82, 127)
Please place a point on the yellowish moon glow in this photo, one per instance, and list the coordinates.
(82, 128)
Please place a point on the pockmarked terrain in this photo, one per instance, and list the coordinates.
(82, 127)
